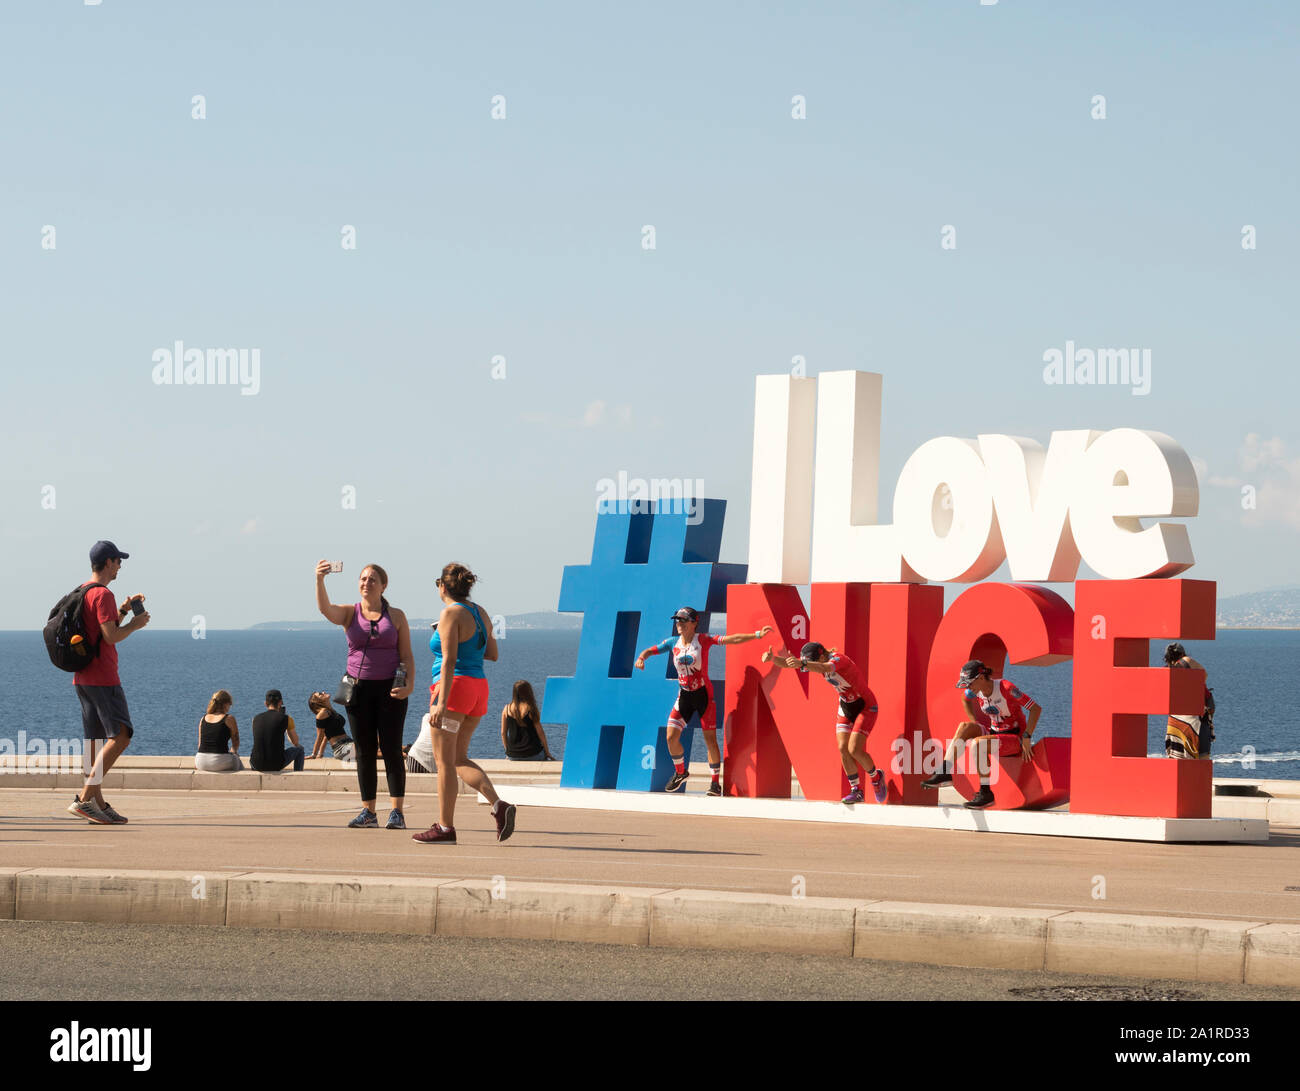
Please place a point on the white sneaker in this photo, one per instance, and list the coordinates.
(89, 809)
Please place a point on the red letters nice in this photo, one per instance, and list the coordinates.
(963, 507)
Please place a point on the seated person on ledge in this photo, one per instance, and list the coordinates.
(419, 755)
(999, 704)
(330, 730)
(522, 735)
(270, 755)
(218, 738)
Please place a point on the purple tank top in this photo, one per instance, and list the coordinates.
(381, 657)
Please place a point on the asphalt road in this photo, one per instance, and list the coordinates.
(42, 961)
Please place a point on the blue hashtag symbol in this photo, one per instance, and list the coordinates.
(644, 566)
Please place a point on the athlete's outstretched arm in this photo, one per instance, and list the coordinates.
(815, 668)
(745, 638)
(788, 661)
(654, 649)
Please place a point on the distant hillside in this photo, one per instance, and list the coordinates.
(1276, 608)
(538, 620)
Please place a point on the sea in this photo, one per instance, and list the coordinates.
(169, 676)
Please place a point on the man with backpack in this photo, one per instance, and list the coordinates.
(104, 716)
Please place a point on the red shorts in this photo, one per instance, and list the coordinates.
(468, 696)
(855, 719)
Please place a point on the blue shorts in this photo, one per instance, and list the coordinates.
(103, 712)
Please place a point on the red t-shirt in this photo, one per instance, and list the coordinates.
(99, 606)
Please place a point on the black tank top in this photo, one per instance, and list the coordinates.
(214, 738)
(521, 737)
(334, 727)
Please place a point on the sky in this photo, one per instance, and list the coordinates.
(501, 338)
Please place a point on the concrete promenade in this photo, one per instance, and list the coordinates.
(273, 851)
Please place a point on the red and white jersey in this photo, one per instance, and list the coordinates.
(846, 678)
(691, 660)
(1004, 708)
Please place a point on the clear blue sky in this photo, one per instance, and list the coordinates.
(522, 237)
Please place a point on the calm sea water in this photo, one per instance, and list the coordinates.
(169, 676)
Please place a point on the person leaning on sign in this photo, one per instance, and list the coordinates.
(1188, 736)
(1004, 708)
(857, 713)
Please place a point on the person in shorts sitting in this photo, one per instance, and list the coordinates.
(994, 706)
(331, 730)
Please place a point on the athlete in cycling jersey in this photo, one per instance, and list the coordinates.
(856, 717)
(691, 657)
(994, 706)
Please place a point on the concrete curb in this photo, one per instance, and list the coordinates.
(1182, 948)
(953, 935)
(504, 909)
(732, 920)
(331, 902)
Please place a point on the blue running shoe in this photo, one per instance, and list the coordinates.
(395, 820)
(367, 817)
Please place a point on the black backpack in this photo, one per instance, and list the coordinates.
(66, 622)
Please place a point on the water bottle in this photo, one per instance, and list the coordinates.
(399, 679)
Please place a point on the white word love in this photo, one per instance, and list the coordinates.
(961, 506)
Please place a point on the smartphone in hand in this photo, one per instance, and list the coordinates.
(336, 566)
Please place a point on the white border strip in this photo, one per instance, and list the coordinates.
(1038, 823)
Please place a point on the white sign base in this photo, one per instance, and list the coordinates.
(1040, 823)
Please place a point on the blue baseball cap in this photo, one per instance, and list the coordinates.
(106, 551)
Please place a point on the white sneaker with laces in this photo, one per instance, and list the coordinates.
(89, 809)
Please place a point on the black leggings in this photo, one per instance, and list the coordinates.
(377, 722)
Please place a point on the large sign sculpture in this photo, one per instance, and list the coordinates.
(644, 566)
(961, 508)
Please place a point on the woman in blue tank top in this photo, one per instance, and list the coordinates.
(458, 698)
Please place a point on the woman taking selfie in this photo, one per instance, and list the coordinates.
(379, 648)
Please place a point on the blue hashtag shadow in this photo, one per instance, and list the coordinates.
(644, 565)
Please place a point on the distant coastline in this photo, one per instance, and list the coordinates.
(538, 620)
